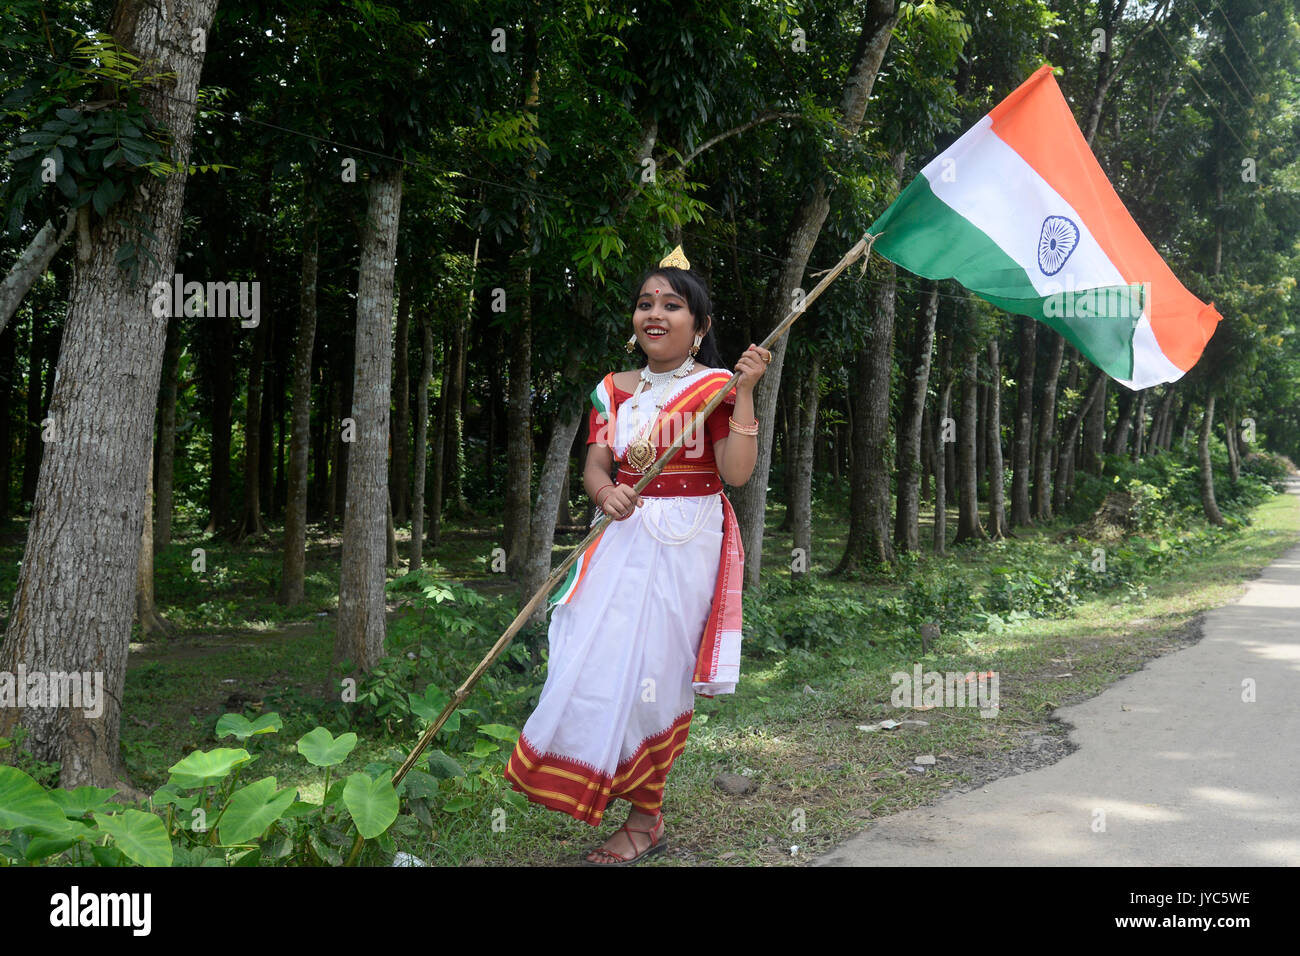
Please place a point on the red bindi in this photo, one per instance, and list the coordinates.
(656, 291)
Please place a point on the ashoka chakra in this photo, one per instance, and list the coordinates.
(1055, 243)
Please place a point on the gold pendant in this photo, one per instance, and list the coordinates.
(641, 455)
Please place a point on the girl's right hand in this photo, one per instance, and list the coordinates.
(619, 501)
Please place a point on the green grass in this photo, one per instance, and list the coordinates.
(811, 763)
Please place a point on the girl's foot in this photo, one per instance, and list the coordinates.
(640, 836)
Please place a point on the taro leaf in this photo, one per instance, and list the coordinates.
(202, 768)
(165, 795)
(24, 804)
(140, 835)
(420, 784)
(482, 748)
(372, 803)
(430, 704)
(323, 749)
(499, 732)
(83, 800)
(247, 857)
(442, 766)
(299, 808)
(456, 804)
(334, 794)
(241, 728)
(42, 847)
(108, 856)
(252, 809)
(323, 850)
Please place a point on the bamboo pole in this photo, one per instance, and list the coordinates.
(860, 249)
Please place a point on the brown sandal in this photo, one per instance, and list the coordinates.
(656, 846)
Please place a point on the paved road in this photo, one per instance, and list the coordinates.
(1184, 771)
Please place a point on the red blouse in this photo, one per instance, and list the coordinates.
(716, 427)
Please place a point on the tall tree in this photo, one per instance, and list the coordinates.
(910, 434)
(293, 567)
(73, 605)
(750, 500)
(361, 623)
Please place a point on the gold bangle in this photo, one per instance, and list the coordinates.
(743, 429)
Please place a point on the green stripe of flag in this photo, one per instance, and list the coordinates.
(926, 236)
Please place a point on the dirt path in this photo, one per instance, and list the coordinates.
(1174, 764)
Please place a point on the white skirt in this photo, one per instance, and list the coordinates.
(618, 697)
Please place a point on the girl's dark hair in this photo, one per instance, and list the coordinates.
(691, 288)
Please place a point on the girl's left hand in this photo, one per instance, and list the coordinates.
(752, 365)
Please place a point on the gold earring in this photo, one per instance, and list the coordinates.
(695, 349)
(631, 344)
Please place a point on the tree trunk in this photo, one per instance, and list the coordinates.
(1211, 507)
(1064, 489)
(337, 450)
(266, 430)
(940, 442)
(33, 446)
(1160, 421)
(400, 477)
(251, 524)
(909, 440)
(390, 535)
(997, 504)
(146, 609)
(1046, 429)
(788, 403)
(221, 379)
(76, 586)
(447, 412)
(1230, 439)
(750, 500)
(452, 428)
(519, 438)
(421, 440)
(8, 354)
(32, 263)
(869, 541)
(968, 506)
(801, 505)
(292, 584)
(555, 464)
(1094, 430)
(1119, 437)
(1020, 458)
(1140, 420)
(162, 531)
(361, 625)
(927, 457)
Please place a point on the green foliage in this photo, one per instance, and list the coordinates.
(805, 612)
(201, 817)
(1274, 469)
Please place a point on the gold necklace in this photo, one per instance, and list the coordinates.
(641, 453)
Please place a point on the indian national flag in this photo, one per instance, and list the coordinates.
(1019, 212)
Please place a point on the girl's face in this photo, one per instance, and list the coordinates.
(665, 328)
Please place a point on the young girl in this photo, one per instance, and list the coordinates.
(650, 614)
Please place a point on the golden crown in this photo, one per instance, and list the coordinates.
(676, 260)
